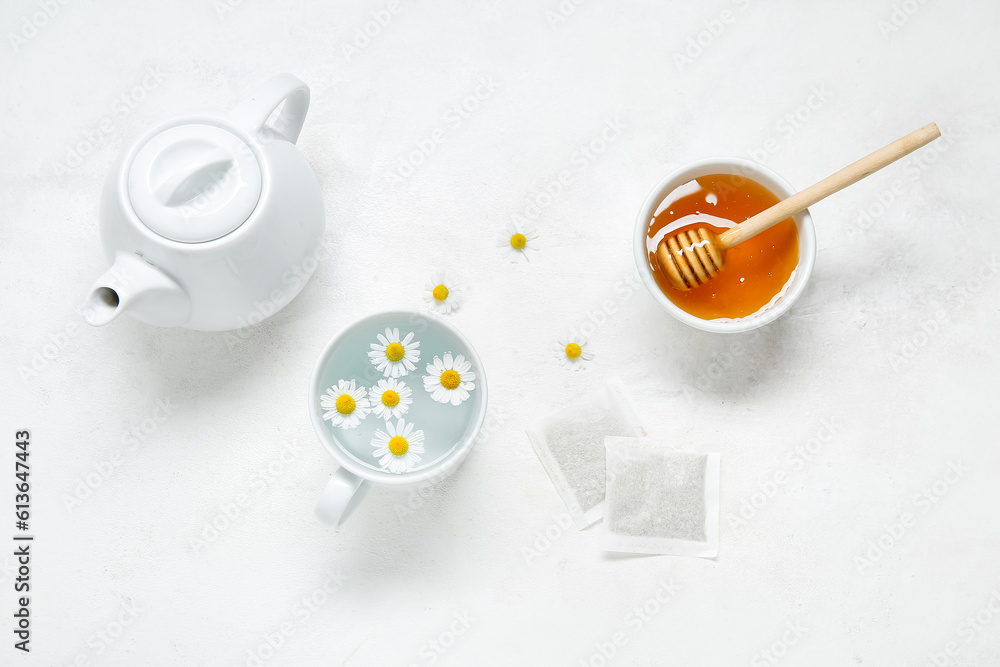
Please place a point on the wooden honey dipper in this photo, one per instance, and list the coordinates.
(696, 256)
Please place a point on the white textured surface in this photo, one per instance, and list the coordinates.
(898, 424)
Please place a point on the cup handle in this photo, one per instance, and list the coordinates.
(341, 495)
(252, 113)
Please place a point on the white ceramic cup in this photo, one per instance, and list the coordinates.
(754, 172)
(357, 474)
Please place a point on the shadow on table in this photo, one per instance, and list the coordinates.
(204, 373)
(729, 366)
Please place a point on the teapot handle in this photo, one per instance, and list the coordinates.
(252, 113)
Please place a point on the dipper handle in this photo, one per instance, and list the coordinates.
(849, 175)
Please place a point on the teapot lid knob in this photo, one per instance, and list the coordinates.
(194, 183)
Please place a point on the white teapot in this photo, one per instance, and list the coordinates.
(212, 222)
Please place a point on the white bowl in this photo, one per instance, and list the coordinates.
(754, 172)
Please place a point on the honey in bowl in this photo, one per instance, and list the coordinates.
(756, 270)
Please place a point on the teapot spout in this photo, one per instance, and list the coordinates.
(135, 285)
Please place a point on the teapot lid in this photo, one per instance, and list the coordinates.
(194, 182)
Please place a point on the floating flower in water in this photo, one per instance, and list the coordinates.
(573, 353)
(517, 243)
(398, 450)
(390, 398)
(451, 380)
(442, 293)
(395, 357)
(346, 404)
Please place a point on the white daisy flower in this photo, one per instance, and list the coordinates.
(442, 293)
(390, 398)
(398, 450)
(517, 243)
(395, 357)
(449, 381)
(346, 404)
(573, 353)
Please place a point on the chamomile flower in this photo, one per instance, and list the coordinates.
(395, 357)
(346, 404)
(398, 450)
(573, 353)
(516, 244)
(442, 293)
(390, 398)
(451, 380)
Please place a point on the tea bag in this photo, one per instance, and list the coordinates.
(570, 445)
(660, 500)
